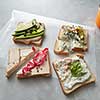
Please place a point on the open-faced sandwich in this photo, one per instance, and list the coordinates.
(71, 38)
(33, 62)
(29, 33)
(73, 72)
(17, 57)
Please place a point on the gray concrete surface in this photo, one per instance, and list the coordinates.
(77, 11)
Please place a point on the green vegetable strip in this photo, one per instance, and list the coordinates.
(76, 69)
(29, 30)
(33, 33)
(18, 34)
(30, 36)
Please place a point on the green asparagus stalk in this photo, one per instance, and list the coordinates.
(76, 69)
(30, 36)
(34, 32)
(18, 34)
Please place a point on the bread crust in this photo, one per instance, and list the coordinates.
(37, 42)
(75, 87)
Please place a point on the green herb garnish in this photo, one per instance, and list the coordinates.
(29, 30)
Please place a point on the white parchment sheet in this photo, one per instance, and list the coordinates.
(52, 29)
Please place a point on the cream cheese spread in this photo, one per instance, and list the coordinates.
(72, 36)
(65, 74)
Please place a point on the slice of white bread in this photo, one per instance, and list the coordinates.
(16, 57)
(92, 79)
(62, 37)
(36, 41)
(42, 70)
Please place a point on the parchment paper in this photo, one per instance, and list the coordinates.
(41, 88)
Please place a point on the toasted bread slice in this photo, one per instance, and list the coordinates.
(66, 91)
(16, 58)
(74, 46)
(42, 70)
(36, 41)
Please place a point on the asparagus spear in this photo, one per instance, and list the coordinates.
(18, 34)
(30, 36)
(22, 27)
(76, 69)
(41, 29)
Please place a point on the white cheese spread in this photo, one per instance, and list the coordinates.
(66, 76)
(64, 45)
(70, 38)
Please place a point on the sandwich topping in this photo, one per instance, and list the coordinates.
(72, 71)
(29, 30)
(36, 61)
(64, 46)
(74, 36)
